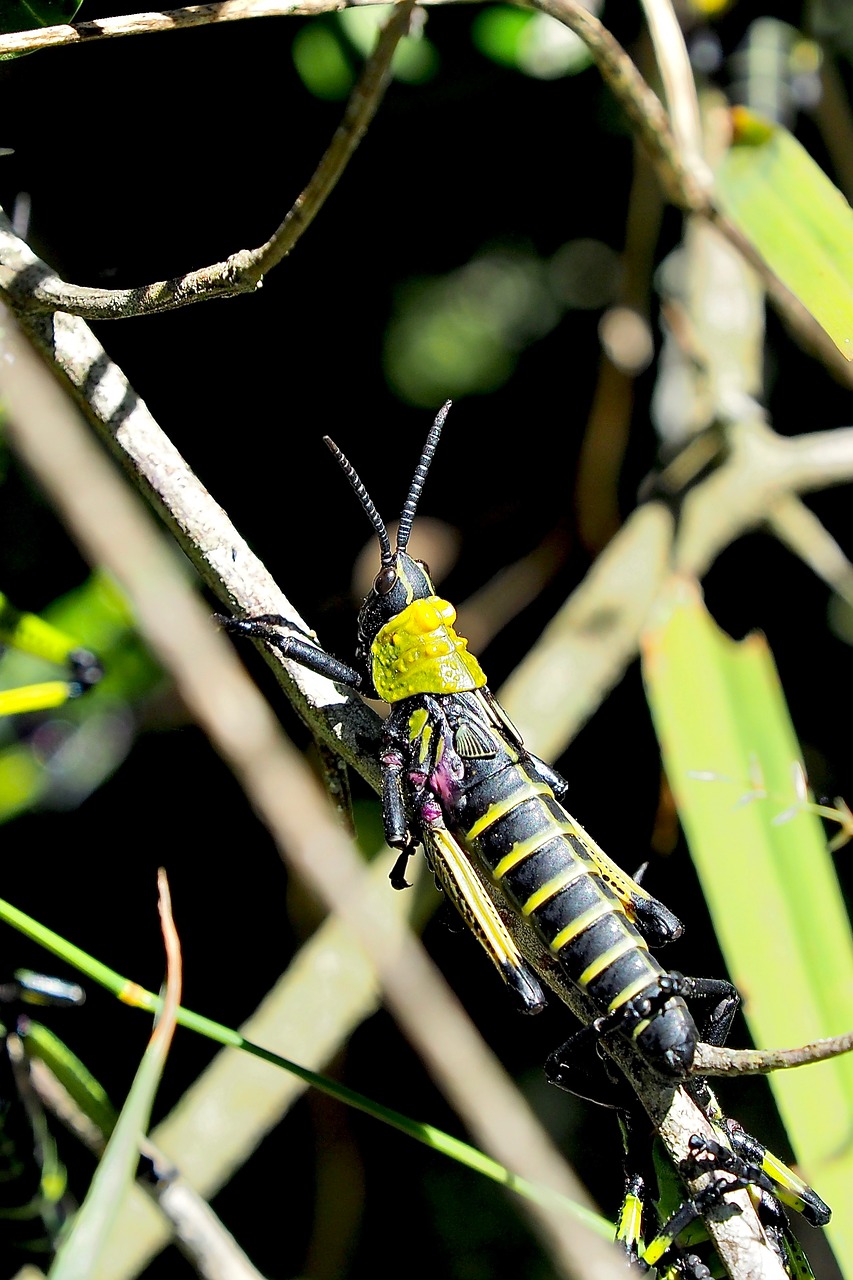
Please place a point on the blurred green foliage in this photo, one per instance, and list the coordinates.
(328, 52)
(55, 758)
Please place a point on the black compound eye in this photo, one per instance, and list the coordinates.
(385, 581)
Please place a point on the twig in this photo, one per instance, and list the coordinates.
(677, 75)
(164, 1025)
(714, 1061)
(639, 102)
(194, 15)
(242, 271)
(682, 175)
(34, 289)
(587, 646)
(797, 526)
(200, 1234)
(361, 109)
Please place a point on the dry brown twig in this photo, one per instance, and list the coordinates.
(27, 288)
(673, 156)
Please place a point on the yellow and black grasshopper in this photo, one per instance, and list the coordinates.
(457, 778)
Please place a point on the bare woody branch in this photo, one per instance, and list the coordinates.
(141, 24)
(243, 271)
(638, 100)
(28, 288)
(680, 171)
(714, 1061)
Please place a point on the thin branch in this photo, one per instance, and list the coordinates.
(361, 108)
(677, 75)
(200, 1234)
(34, 289)
(195, 15)
(681, 173)
(714, 1061)
(242, 271)
(680, 169)
(586, 647)
(637, 99)
(762, 468)
(639, 102)
(799, 529)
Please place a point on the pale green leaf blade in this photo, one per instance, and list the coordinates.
(78, 1253)
(782, 201)
(761, 854)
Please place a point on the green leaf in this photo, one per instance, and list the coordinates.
(734, 765)
(498, 32)
(800, 224)
(94, 731)
(78, 1254)
(87, 1092)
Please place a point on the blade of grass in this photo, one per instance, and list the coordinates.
(78, 1253)
(786, 206)
(445, 1144)
(761, 854)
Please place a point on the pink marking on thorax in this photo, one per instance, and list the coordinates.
(430, 811)
(443, 780)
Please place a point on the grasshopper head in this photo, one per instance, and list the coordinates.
(395, 586)
(400, 579)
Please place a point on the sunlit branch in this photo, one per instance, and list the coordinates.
(39, 290)
(713, 1061)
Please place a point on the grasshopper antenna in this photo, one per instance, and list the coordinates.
(410, 505)
(364, 498)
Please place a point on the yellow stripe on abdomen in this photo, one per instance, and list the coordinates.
(581, 923)
(620, 948)
(633, 989)
(501, 808)
(556, 885)
(531, 845)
